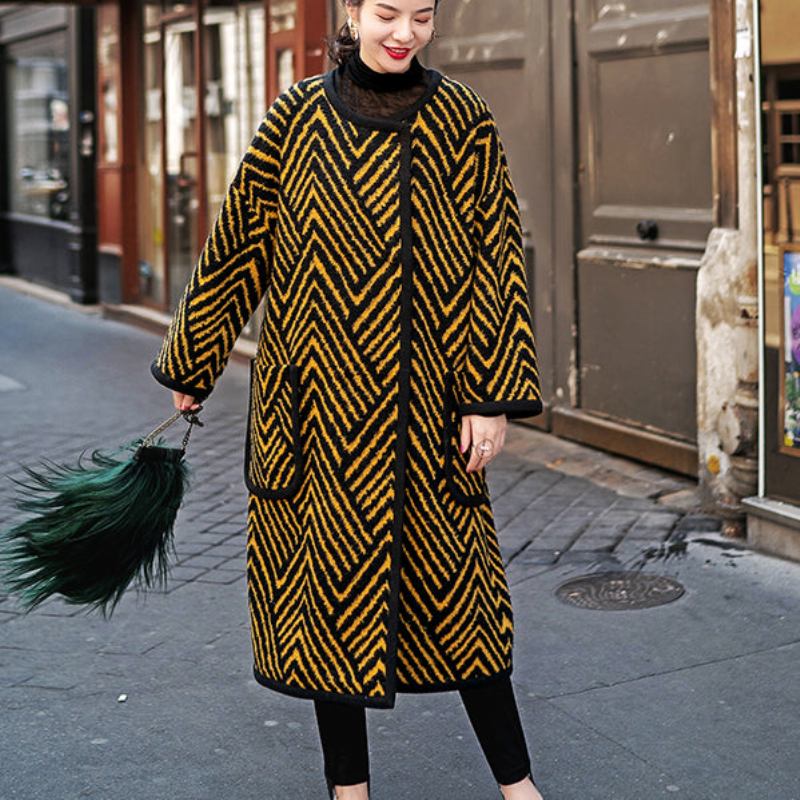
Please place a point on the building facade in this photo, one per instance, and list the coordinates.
(633, 139)
(773, 512)
(47, 208)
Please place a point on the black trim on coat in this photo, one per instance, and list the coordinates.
(293, 372)
(199, 394)
(369, 701)
(513, 409)
(406, 327)
(363, 700)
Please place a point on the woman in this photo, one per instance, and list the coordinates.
(376, 206)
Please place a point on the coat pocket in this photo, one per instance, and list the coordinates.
(273, 448)
(467, 488)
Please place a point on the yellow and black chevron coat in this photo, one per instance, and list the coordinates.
(389, 253)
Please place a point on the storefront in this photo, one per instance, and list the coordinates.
(47, 201)
(142, 110)
(182, 88)
(121, 124)
(774, 514)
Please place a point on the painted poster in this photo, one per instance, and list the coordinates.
(791, 357)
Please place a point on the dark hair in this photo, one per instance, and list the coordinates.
(342, 45)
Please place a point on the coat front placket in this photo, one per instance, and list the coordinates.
(406, 260)
(383, 695)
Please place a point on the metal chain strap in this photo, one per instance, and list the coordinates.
(190, 417)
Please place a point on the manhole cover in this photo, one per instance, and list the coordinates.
(619, 591)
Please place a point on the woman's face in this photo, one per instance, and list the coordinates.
(392, 32)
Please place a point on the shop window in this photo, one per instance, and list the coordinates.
(38, 126)
(780, 149)
(234, 92)
(787, 120)
(282, 22)
(282, 15)
(781, 153)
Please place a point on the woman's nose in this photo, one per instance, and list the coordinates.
(403, 34)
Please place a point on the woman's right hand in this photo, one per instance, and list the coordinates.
(184, 402)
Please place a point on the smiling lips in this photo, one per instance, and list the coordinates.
(397, 53)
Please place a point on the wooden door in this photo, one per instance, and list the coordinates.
(645, 209)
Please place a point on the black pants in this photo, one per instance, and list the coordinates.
(491, 708)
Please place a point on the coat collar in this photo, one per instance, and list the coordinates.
(386, 123)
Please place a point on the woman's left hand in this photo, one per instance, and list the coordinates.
(477, 429)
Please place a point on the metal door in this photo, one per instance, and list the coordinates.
(645, 205)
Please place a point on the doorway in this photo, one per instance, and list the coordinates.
(203, 95)
(645, 210)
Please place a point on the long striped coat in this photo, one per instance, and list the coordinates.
(389, 253)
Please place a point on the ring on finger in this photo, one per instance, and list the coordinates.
(484, 448)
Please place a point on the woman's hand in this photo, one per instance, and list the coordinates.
(477, 429)
(183, 402)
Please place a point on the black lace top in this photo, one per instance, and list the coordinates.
(379, 94)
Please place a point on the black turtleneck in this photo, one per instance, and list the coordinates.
(360, 72)
(380, 94)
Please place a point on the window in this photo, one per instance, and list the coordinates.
(38, 126)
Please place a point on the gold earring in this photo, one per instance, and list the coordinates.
(353, 29)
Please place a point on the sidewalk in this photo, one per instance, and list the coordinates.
(697, 698)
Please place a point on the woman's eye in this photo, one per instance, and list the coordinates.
(420, 21)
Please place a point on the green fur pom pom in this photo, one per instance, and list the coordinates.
(96, 528)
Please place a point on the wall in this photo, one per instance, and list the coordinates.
(727, 318)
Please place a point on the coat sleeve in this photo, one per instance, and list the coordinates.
(500, 373)
(231, 274)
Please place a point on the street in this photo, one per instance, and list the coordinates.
(695, 699)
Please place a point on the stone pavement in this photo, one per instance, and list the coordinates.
(694, 699)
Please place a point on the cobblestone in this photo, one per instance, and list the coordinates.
(182, 656)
